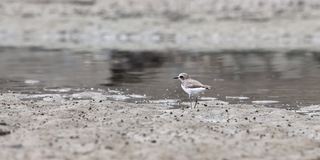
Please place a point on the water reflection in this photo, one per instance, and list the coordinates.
(129, 67)
(288, 77)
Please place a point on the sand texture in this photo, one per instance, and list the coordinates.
(54, 128)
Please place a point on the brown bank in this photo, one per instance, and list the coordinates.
(101, 129)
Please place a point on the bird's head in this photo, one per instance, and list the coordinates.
(182, 76)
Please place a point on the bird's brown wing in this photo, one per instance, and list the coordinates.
(191, 83)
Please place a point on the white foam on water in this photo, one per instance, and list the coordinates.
(44, 97)
(58, 90)
(208, 98)
(114, 91)
(237, 97)
(137, 96)
(118, 97)
(31, 81)
(91, 95)
(265, 102)
(25, 96)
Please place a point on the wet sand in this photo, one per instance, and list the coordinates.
(53, 128)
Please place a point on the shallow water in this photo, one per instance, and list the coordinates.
(277, 79)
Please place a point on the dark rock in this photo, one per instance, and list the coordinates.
(4, 132)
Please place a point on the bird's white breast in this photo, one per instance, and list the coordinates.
(193, 91)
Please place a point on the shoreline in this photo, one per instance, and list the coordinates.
(208, 25)
(211, 36)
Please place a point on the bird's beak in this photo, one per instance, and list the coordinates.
(175, 77)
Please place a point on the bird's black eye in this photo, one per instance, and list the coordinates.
(181, 77)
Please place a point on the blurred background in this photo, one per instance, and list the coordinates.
(248, 50)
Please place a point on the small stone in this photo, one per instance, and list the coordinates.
(108, 147)
(74, 137)
(4, 132)
(3, 124)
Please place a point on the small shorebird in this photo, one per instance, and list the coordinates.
(192, 87)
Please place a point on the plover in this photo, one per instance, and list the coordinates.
(192, 87)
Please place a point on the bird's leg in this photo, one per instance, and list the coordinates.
(196, 102)
(190, 101)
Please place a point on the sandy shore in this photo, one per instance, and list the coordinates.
(103, 129)
(206, 25)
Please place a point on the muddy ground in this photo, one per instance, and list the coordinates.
(52, 128)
